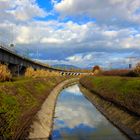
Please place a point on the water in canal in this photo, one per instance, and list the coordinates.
(77, 119)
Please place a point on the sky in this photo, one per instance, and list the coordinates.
(83, 33)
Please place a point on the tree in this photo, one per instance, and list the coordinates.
(96, 69)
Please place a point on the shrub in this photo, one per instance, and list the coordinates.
(96, 70)
(5, 74)
(137, 69)
(115, 72)
(135, 72)
(30, 72)
(132, 74)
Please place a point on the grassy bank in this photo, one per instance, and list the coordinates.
(129, 124)
(19, 102)
(122, 91)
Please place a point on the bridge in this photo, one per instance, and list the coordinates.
(18, 64)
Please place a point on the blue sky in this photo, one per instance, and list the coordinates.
(45, 4)
(76, 32)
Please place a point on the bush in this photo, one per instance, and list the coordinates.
(30, 72)
(5, 74)
(132, 74)
(96, 70)
(116, 72)
(135, 72)
(137, 69)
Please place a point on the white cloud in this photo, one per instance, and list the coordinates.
(110, 33)
(51, 40)
(104, 59)
(73, 36)
(70, 35)
(24, 35)
(20, 10)
(76, 118)
(54, 1)
(75, 58)
(74, 90)
(105, 10)
(27, 9)
(75, 113)
(54, 62)
(17, 26)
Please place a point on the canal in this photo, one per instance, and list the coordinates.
(78, 119)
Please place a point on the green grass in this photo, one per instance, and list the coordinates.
(20, 100)
(123, 91)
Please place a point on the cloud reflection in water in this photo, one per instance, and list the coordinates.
(78, 119)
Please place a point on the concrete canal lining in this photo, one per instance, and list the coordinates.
(42, 123)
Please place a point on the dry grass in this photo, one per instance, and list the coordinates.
(30, 72)
(5, 74)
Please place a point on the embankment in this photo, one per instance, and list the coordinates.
(20, 101)
(43, 121)
(118, 99)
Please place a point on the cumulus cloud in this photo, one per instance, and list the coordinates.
(106, 60)
(20, 10)
(72, 47)
(76, 118)
(70, 42)
(107, 11)
(70, 33)
(78, 111)
(27, 11)
(74, 90)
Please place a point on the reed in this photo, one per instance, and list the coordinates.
(5, 74)
(30, 72)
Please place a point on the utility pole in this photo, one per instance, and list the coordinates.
(37, 53)
(12, 38)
